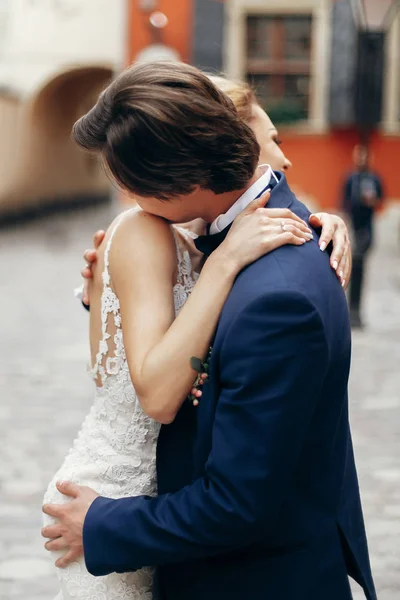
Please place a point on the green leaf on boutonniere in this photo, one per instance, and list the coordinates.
(196, 364)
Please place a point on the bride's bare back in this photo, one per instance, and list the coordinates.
(115, 449)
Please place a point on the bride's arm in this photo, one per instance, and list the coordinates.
(333, 229)
(143, 269)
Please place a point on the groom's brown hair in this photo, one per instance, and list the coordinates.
(164, 128)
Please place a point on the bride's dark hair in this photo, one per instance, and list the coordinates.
(164, 128)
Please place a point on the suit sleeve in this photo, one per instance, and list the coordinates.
(274, 359)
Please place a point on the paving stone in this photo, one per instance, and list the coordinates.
(45, 392)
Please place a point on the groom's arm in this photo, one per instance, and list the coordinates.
(274, 360)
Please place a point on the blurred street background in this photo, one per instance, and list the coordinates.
(45, 392)
(328, 74)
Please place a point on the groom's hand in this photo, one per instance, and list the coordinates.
(67, 533)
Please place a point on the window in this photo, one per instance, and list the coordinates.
(279, 63)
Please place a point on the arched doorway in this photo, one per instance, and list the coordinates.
(53, 168)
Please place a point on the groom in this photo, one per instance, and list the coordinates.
(258, 493)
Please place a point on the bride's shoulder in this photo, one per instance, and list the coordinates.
(136, 228)
(136, 222)
(140, 236)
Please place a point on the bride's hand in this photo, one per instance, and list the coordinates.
(258, 231)
(334, 230)
(90, 256)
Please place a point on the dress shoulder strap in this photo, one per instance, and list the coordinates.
(109, 306)
(106, 274)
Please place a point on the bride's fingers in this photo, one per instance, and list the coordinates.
(85, 295)
(284, 213)
(284, 222)
(292, 236)
(56, 545)
(90, 256)
(287, 237)
(98, 238)
(87, 272)
(291, 224)
(343, 270)
(294, 228)
(256, 204)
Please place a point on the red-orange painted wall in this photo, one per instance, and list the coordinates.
(177, 34)
(320, 163)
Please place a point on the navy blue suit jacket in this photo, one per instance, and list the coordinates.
(258, 488)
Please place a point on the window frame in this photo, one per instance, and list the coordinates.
(235, 50)
(277, 63)
(390, 123)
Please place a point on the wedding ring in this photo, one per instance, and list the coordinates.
(283, 226)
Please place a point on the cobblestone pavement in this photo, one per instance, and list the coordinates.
(45, 393)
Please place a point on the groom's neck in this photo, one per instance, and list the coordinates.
(217, 204)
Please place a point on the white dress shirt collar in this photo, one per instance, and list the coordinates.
(249, 195)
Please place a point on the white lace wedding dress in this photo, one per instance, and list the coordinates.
(114, 452)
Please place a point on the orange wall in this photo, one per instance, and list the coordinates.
(177, 34)
(320, 163)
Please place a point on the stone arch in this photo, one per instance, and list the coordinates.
(66, 96)
(51, 168)
(10, 117)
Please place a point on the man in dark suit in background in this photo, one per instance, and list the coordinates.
(362, 195)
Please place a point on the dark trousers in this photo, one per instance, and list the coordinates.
(361, 247)
(356, 284)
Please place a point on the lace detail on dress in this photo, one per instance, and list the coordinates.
(105, 364)
(115, 450)
(186, 277)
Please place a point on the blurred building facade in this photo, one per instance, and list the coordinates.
(55, 56)
(300, 55)
(170, 39)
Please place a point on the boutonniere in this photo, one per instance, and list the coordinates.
(202, 369)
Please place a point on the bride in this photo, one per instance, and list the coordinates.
(150, 312)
